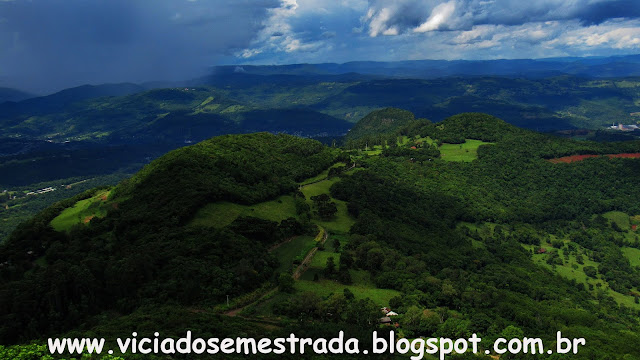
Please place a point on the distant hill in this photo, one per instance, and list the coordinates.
(430, 69)
(380, 121)
(166, 115)
(7, 94)
(66, 97)
(237, 101)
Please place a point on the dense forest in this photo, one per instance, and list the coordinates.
(463, 226)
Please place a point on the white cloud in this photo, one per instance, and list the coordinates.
(439, 17)
(613, 34)
(310, 30)
(278, 35)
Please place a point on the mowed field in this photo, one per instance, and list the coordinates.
(82, 212)
(223, 213)
(633, 255)
(461, 152)
(295, 249)
(324, 288)
(342, 222)
(362, 286)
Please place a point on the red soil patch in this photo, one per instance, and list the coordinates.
(88, 218)
(626, 156)
(103, 197)
(634, 227)
(574, 158)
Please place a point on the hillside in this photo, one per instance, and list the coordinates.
(463, 226)
(148, 211)
(381, 121)
(160, 115)
(318, 105)
(602, 67)
(7, 94)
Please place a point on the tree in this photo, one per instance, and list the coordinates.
(349, 295)
(344, 276)
(346, 260)
(336, 244)
(285, 283)
(590, 271)
(330, 269)
(325, 208)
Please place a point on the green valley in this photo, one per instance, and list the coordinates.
(428, 219)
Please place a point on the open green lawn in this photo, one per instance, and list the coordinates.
(620, 218)
(294, 249)
(461, 152)
(326, 287)
(320, 259)
(322, 176)
(342, 221)
(632, 254)
(319, 263)
(567, 271)
(81, 212)
(221, 214)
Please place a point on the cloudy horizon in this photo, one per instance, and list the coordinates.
(52, 44)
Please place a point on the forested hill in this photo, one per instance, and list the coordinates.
(7, 94)
(380, 121)
(241, 168)
(137, 250)
(470, 225)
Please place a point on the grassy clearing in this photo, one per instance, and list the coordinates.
(82, 212)
(461, 152)
(325, 288)
(319, 262)
(264, 308)
(296, 249)
(569, 272)
(620, 218)
(320, 259)
(322, 176)
(342, 221)
(633, 255)
(221, 214)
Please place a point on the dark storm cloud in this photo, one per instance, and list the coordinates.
(600, 12)
(393, 17)
(49, 44)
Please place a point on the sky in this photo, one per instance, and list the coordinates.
(47, 45)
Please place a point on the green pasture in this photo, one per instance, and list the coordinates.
(297, 248)
(325, 288)
(221, 214)
(81, 212)
(465, 152)
(342, 221)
